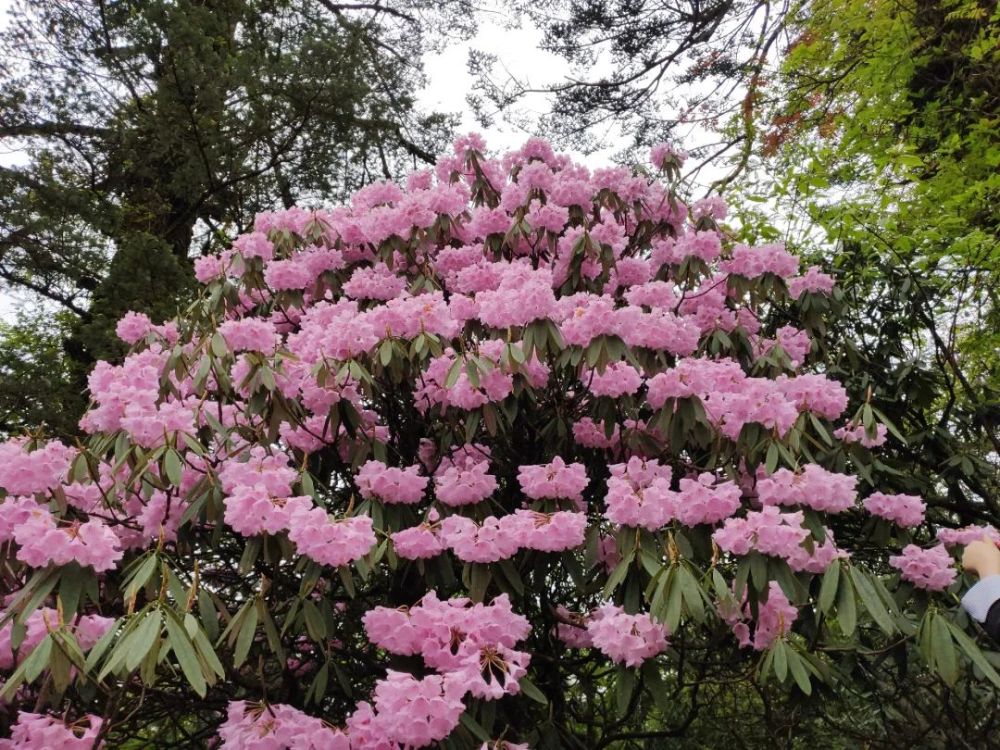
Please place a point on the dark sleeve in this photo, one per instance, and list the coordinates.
(992, 623)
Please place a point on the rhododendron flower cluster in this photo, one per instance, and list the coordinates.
(276, 727)
(390, 484)
(471, 646)
(359, 488)
(639, 494)
(812, 487)
(624, 638)
(775, 617)
(771, 532)
(859, 434)
(464, 481)
(38, 732)
(554, 480)
(903, 510)
(930, 569)
(967, 535)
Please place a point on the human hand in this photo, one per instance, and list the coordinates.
(982, 557)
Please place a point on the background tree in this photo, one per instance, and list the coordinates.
(153, 127)
(642, 72)
(890, 108)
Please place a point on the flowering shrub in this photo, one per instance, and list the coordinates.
(409, 466)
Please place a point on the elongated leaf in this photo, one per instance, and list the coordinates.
(694, 602)
(38, 659)
(945, 658)
(624, 689)
(207, 653)
(828, 588)
(245, 638)
(617, 576)
(183, 649)
(847, 612)
(780, 660)
(173, 467)
(474, 727)
(974, 653)
(871, 600)
(799, 672)
(531, 690)
(142, 639)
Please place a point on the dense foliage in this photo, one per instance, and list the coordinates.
(149, 131)
(521, 454)
(888, 112)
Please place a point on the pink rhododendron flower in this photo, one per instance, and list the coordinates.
(41, 541)
(24, 472)
(40, 732)
(618, 379)
(493, 540)
(329, 541)
(812, 487)
(903, 510)
(930, 569)
(859, 434)
(277, 727)
(967, 535)
(465, 481)
(417, 543)
(390, 484)
(555, 480)
(549, 532)
(775, 617)
(626, 639)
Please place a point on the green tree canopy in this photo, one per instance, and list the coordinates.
(153, 127)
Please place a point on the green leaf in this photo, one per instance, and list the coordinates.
(245, 638)
(871, 600)
(183, 649)
(474, 727)
(453, 372)
(624, 689)
(207, 653)
(173, 466)
(480, 576)
(142, 639)
(780, 660)
(943, 650)
(314, 622)
(828, 589)
(694, 602)
(847, 611)
(531, 690)
(38, 659)
(758, 571)
(672, 615)
(319, 684)
(799, 672)
(771, 463)
(71, 581)
(653, 679)
(974, 653)
(94, 657)
(219, 348)
(617, 576)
